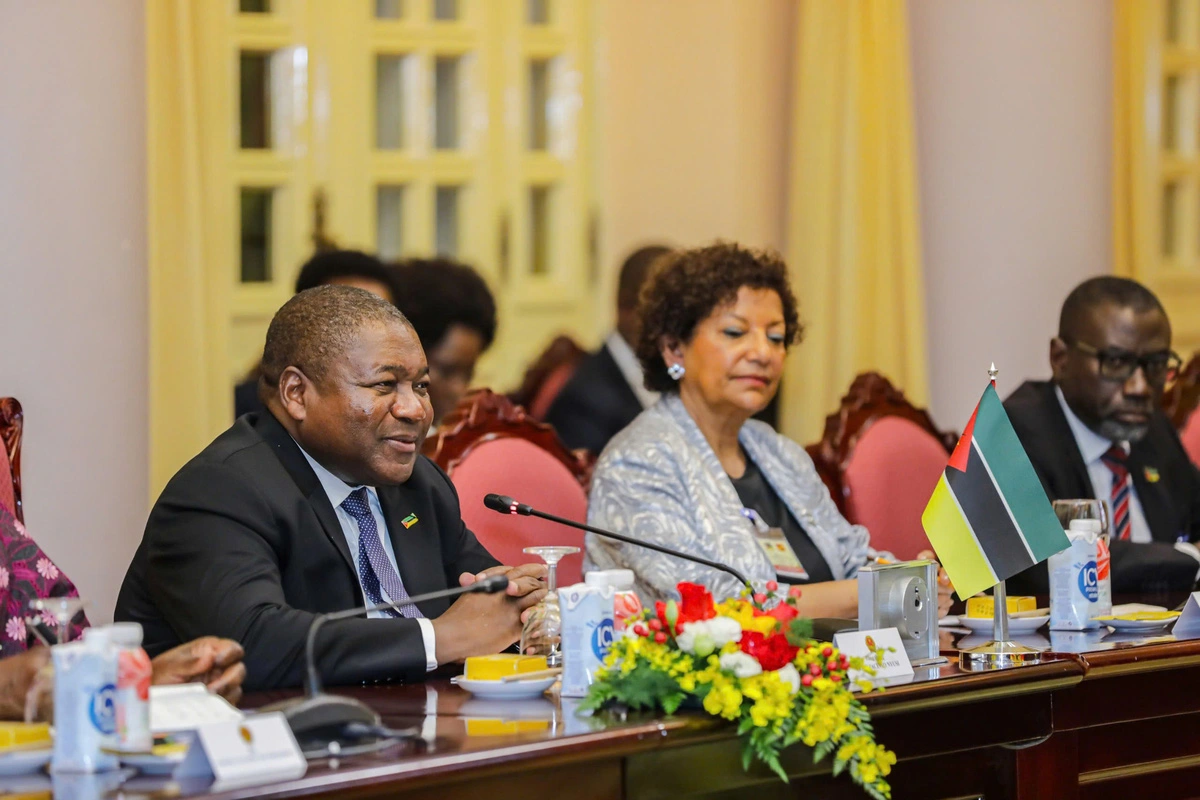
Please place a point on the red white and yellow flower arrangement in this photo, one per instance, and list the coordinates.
(757, 667)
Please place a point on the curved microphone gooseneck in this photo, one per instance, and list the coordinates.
(506, 505)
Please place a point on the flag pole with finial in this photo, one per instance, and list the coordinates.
(999, 653)
(1000, 591)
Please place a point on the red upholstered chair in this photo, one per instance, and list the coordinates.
(561, 351)
(1191, 437)
(488, 445)
(554, 383)
(1181, 402)
(12, 422)
(883, 456)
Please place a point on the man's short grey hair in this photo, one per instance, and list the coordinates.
(316, 327)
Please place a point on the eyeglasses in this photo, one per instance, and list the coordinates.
(1119, 365)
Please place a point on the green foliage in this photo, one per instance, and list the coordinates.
(799, 631)
(642, 689)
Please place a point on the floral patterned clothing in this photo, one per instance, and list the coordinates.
(26, 573)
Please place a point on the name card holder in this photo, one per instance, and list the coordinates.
(881, 649)
(256, 750)
(1188, 624)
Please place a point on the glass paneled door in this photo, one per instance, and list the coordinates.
(403, 127)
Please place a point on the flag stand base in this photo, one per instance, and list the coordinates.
(998, 653)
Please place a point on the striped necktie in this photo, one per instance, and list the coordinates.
(374, 568)
(1115, 459)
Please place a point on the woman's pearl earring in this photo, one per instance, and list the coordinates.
(676, 371)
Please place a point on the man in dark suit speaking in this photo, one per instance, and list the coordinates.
(324, 503)
(1097, 430)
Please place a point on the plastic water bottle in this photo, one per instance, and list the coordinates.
(133, 688)
(1103, 563)
(626, 603)
(1074, 585)
(587, 634)
(85, 718)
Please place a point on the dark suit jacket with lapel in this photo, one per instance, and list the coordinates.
(596, 404)
(244, 543)
(1171, 504)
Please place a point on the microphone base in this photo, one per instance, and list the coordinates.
(320, 719)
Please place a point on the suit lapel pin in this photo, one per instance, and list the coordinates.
(1152, 475)
(411, 519)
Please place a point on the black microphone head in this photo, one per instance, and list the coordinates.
(499, 502)
(505, 504)
(493, 584)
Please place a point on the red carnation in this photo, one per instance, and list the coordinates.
(772, 652)
(784, 613)
(696, 603)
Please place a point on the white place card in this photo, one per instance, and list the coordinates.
(174, 709)
(252, 751)
(891, 666)
(1188, 623)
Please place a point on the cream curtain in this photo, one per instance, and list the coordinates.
(853, 225)
(189, 400)
(1135, 161)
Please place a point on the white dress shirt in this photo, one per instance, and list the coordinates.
(338, 490)
(631, 368)
(1092, 446)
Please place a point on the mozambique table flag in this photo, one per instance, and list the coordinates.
(989, 518)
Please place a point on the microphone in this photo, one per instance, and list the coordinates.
(506, 505)
(321, 718)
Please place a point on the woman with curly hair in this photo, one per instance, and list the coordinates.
(694, 471)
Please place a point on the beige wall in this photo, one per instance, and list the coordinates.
(692, 135)
(73, 274)
(1013, 105)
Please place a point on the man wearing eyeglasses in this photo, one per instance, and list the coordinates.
(1097, 430)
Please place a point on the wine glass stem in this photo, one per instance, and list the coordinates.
(551, 578)
(64, 628)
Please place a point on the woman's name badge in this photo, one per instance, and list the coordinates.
(781, 554)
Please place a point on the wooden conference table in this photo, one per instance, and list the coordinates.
(1104, 716)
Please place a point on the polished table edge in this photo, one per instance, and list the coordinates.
(1064, 676)
(953, 687)
(580, 747)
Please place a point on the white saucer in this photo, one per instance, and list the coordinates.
(1015, 624)
(1137, 625)
(149, 764)
(511, 691)
(22, 762)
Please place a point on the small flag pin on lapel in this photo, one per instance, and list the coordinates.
(1152, 475)
(409, 521)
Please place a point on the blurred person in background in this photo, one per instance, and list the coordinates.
(695, 472)
(608, 390)
(340, 267)
(454, 314)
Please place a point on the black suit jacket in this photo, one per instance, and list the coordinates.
(1171, 504)
(245, 399)
(244, 543)
(595, 405)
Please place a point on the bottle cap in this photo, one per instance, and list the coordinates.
(622, 579)
(1085, 525)
(597, 577)
(96, 638)
(125, 634)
